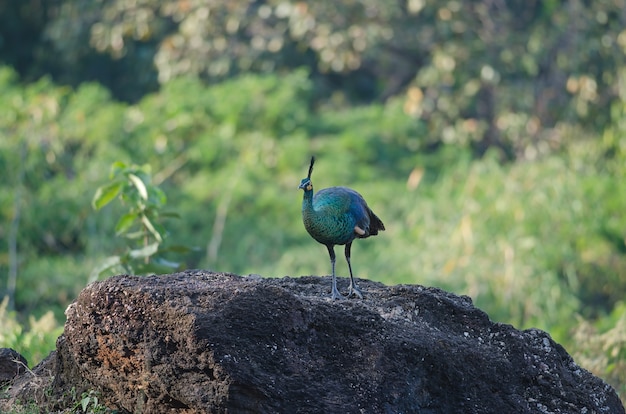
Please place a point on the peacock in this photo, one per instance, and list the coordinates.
(337, 215)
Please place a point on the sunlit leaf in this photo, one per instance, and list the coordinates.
(105, 194)
(135, 235)
(107, 264)
(151, 228)
(125, 222)
(144, 252)
(141, 187)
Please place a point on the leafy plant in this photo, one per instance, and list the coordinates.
(89, 403)
(27, 408)
(141, 225)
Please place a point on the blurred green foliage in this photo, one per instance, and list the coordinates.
(488, 75)
(601, 347)
(489, 137)
(141, 224)
(34, 340)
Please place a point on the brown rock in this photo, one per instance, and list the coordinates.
(201, 342)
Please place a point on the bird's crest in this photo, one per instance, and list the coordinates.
(311, 167)
(305, 184)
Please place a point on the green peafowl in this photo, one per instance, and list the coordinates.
(337, 215)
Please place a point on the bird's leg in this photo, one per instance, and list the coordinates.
(334, 292)
(353, 289)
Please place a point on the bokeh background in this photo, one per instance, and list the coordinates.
(489, 136)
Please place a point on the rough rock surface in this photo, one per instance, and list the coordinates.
(202, 342)
(11, 365)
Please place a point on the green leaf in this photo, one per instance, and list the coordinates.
(105, 194)
(141, 187)
(116, 168)
(108, 263)
(134, 235)
(158, 195)
(160, 229)
(146, 222)
(84, 403)
(167, 263)
(145, 169)
(125, 222)
(144, 252)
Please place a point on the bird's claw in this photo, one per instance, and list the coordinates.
(336, 295)
(353, 290)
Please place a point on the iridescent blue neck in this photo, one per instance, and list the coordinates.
(307, 200)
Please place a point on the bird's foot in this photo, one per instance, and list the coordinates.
(335, 294)
(354, 290)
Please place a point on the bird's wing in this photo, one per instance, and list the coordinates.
(343, 200)
(334, 200)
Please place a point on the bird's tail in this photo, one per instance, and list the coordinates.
(376, 224)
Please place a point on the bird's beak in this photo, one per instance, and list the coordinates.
(301, 186)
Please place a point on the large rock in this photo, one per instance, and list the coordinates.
(201, 342)
(11, 365)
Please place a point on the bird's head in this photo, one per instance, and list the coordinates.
(306, 183)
